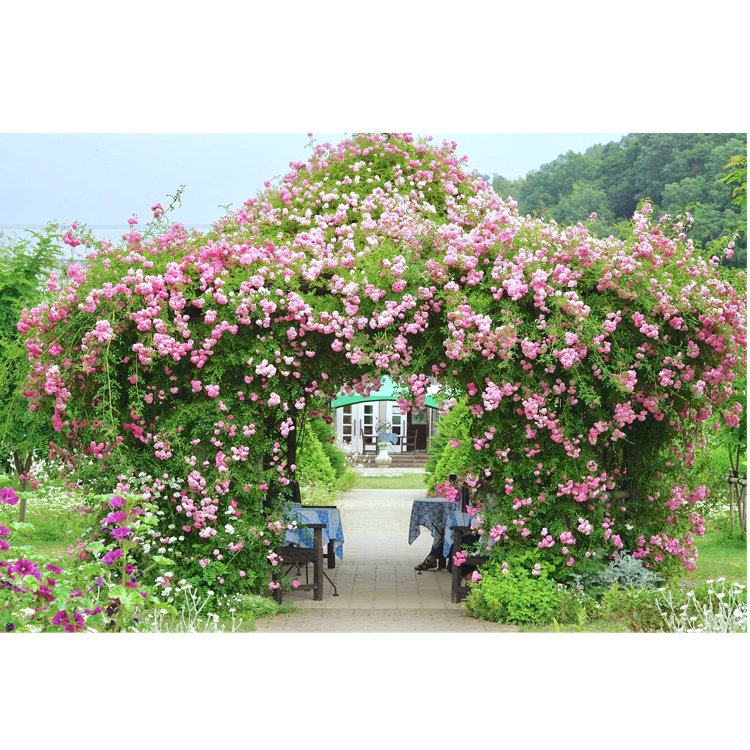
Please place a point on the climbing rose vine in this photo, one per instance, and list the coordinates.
(183, 364)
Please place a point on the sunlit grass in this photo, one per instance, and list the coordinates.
(404, 482)
(720, 556)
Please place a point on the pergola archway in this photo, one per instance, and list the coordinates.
(196, 357)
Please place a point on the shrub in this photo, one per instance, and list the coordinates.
(714, 607)
(318, 481)
(326, 434)
(451, 449)
(624, 570)
(514, 596)
(573, 605)
(635, 607)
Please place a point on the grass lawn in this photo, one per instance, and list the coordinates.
(404, 482)
(720, 556)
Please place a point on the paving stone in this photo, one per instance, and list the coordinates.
(378, 589)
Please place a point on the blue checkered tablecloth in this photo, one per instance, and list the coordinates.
(453, 518)
(431, 513)
(333, 530)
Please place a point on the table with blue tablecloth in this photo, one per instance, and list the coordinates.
(333, 533)
(437, 515)
(453, 518)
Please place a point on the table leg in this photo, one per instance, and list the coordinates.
(330, 557)
(318, 595)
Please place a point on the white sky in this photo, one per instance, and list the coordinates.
(101, 179)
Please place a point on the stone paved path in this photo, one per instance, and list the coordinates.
(378, 589)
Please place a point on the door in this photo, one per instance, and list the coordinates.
(398, 423)
(352, 421)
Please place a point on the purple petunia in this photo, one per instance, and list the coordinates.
(8, 496)
(4, 531)
(4, 545)
(121, 533)
(111, 556)
(56, 569)
(116, 502)
(45, 593)
(26, 568)
(61, 618)
(115, 517)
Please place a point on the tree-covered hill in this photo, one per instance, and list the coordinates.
(676, 171)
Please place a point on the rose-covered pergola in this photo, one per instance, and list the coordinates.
(589, 364)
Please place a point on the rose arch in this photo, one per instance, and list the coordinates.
(183, 365)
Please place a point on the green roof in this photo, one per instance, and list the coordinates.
(387, 392)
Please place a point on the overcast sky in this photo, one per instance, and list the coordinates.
(101, 179)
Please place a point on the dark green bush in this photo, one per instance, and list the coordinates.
(635, 607)
(516, 597)
(326, 434)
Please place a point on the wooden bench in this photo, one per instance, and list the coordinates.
(458, 585)
(292, 556)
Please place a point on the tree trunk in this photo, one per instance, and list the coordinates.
(735, 474)
(22, 466)
(291, 458)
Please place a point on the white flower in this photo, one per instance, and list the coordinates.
(229, 528)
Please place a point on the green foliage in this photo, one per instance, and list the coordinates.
(636, 608)
(738, 176)
(326, 434)
(444, 458)
(675, 170)
(713, 607)
(516, 597)
(573, 606)
(24, 264)
(625, 571)
(313, 466)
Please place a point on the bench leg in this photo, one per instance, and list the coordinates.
(318, 566)
(456, 584)
(330, 556)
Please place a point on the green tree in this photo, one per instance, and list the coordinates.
(738, 176)
(578, 205)
(24, 264)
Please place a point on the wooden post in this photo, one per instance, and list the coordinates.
(735, 473)
(318, 536)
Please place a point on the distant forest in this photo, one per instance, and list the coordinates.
(675, 171)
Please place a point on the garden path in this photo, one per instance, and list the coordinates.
(379, 590)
